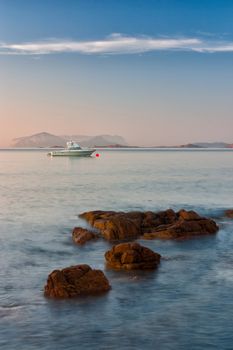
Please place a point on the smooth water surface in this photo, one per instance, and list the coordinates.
(185, 304)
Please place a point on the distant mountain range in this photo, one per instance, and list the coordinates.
(45, 139)
(201, 145)
(208, 145)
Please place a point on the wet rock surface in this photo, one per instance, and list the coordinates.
(229, 213)
(132, 256)
(166, 224)
(115, 225)
(75, 281)
(187, 224)
(81, 235)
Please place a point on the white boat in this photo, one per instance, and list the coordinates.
(73, 149)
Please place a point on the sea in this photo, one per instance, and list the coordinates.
(186, 303)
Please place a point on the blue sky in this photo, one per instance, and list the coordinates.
(155, 72)
(89, 19)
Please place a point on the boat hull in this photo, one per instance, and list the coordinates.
(72, 153)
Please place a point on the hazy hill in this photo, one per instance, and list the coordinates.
(45, 139)
(208, 145)
(99, 140)
(103, 141)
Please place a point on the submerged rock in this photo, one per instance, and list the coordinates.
(229, 213)
(132, 256)
(74, 281)
(166, 224)
(81, 235)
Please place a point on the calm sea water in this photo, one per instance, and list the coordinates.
(186, 304)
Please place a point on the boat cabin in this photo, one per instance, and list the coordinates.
(72, 145)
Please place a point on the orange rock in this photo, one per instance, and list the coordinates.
(115, 225)
(81, 235)
(164, 224)
(74, 281)
(229, 213)
(188, 215)
(92, 216)
(132, 256)
(188, 224)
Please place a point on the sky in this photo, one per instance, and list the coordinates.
(157, 72)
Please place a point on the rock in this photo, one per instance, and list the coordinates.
(188, 215)
(92, 216)
(152, 220)
(132, 256)
(186, 225)
(115, 225)
(164, 224)
(74, 281)
(81, 235)
(229, 213)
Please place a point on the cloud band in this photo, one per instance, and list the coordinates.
(116, 44)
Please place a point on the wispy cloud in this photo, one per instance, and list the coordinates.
(116, 44)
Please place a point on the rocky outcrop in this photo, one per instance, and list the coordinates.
(81, 235)
(75, 281)
(187, 224)
(132, 256)
(115, 225)
(153, 220)
(166, 224)
(229, 213)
